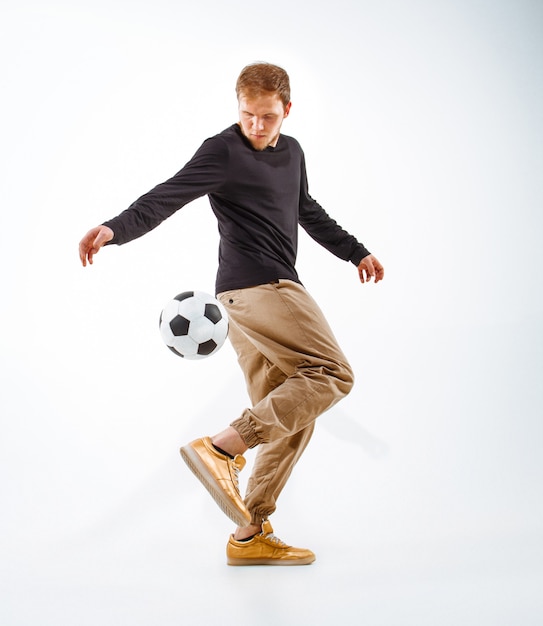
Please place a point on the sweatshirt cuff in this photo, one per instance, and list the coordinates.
(358, 255)
(115, 239)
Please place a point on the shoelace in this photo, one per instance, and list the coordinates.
(276, 540)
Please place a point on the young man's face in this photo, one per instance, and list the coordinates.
(260, 119)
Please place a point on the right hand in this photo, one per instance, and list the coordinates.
(93, 241)
(370, 268)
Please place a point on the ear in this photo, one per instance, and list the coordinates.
(287, 109)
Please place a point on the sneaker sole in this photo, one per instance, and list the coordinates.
(200, 470)
(306, 561)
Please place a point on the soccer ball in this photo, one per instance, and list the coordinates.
(194, 325)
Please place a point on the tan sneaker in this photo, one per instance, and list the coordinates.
(218, 473)
(266, 549)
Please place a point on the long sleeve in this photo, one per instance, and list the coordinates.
(324, 230)
(203, 174)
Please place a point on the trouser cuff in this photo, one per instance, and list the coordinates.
(246, 430)
(258, 517)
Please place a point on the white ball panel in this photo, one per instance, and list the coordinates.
(166, 333)
(191, 308)
(220, 332)
(201, 329)
(185, 345)
(170, 311)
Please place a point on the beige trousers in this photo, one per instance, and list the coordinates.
(294, 370)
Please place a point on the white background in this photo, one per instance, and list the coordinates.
(421, 492)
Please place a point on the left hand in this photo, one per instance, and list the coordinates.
(370, 268)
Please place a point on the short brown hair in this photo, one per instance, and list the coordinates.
(260, 78)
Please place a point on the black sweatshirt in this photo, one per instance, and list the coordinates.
(258, 197)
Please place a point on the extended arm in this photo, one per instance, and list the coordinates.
(323, 229)
(201, 175)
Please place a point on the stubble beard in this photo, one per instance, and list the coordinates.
(262, 144)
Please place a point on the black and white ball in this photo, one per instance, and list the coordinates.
(194, 325)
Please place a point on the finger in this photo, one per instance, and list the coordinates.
(380, 273)
(85, 245)
(83, 251)
(97, 243)
(370, 269)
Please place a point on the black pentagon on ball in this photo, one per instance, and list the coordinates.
(179, 326)
(184, 295)
(176, 352)
(213, 313)
(206, 347)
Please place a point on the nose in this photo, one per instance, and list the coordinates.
(258, 123)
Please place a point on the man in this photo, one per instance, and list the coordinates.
(256, 182)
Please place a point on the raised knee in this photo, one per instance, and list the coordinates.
(349, 378)
(345, 378)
